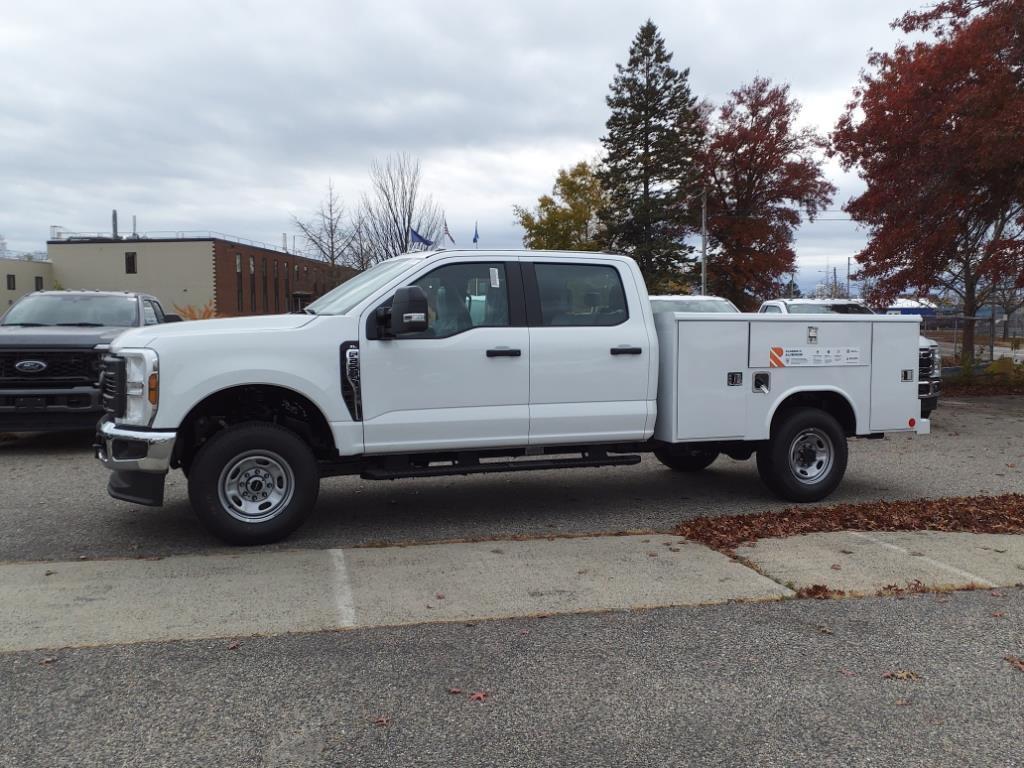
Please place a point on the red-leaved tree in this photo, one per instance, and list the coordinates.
(936, 130)
(761, 172)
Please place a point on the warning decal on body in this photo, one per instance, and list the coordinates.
(793, 357)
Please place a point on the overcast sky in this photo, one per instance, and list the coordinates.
(232, 116)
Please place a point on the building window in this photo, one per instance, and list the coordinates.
(277, 289)
(252, 284)
(10, 283)
(239, 299)
(266, 298)
(39, 283)
(131, 266)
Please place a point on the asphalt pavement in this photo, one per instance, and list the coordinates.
(54, 505)
(792, 683)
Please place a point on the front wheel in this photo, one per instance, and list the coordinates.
(806, 457)
(253, 483)
(686, 460)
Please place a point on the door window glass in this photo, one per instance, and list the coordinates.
(149, 314)
(465, 296)
(580, 294)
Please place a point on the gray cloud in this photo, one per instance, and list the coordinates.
(231, 116)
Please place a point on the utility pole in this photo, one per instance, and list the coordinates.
(848, 294)
(704, 242)
(835, 284)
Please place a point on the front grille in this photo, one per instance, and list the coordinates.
(926, 363)
(49, 368)
(113, 385)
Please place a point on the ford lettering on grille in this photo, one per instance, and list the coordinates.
(30, 366)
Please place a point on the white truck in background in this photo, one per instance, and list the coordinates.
(466, 362)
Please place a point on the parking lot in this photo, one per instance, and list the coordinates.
(136, 617)
(54, 505)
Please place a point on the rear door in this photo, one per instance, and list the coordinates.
(464, 383)
(590, 352)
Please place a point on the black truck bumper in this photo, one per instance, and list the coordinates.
(138, 460)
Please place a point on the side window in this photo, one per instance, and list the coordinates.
(465, 296)
(771, 309)
(580, 294)
(131, 266)
(148, 313)
(158, 310)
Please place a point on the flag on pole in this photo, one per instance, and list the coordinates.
(446, 232)
(476, 232)
(418, 239)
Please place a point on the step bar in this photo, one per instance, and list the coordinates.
(478, 468)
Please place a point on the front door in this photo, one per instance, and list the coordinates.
(590, 354)
(462, 384)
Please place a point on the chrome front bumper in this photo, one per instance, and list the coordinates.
(122, 449)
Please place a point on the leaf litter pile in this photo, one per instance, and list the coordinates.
(966, 514)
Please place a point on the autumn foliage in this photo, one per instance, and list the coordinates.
(761, 171)
(191, 312)
(936, 130)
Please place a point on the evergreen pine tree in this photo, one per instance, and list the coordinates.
(651, 173)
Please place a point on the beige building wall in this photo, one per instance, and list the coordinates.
(24, 274)
(178, 272)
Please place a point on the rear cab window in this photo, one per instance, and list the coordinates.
(580, 295)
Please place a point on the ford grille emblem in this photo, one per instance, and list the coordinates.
(30, 366)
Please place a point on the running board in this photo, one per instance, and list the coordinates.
(382, 473)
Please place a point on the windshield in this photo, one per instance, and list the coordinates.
(346, 296)
(74, 309)
(829, 309)
(693, 305)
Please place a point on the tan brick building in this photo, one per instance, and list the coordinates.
(216, 272)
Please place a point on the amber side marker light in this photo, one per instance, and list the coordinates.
(154, 389)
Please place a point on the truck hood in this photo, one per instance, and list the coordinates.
(57, 336)
(141, 337)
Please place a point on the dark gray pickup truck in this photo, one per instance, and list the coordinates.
(51, 343)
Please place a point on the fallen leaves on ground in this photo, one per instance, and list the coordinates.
(969, 514)
(47, 660)
(234, 645)
(1016, 661)
(999, 614)
(480, 696)
(455, 691)
(901, 674)
(819, 592)
(383, 721)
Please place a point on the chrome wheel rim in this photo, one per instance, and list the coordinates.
(811, 456)
(256, 486)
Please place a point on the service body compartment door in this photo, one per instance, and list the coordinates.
(711, 401)
(894, 353)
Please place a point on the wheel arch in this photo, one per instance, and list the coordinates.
(831, 400)
(239, 403)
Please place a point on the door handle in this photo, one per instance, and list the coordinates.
(504, 352)
(627, 351)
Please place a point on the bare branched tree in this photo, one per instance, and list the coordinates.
(393, 207)
(327, 234)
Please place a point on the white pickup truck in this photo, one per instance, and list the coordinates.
(463, 362)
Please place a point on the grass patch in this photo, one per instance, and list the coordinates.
(967, 514)
(1003, 377)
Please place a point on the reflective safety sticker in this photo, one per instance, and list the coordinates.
(786, 357)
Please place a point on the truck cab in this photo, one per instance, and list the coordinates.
(468, 362)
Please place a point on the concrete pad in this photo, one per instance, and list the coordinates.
(498, 579)
(192, 597)
(195, 597)
(864, 563)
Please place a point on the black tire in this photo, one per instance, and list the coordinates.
(765, 468)
(271, 467)
(806, 457)
(686, 460)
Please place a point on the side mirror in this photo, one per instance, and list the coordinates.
(170, 318)
(408, 311)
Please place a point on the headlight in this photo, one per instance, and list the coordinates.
(142, 386)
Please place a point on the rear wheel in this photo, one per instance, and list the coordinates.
(806, 457)
(686, 459)
(253, 483)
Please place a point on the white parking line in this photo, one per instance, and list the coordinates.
(971, 578)
(342, 590)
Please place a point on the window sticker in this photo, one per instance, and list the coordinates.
(495, 279)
